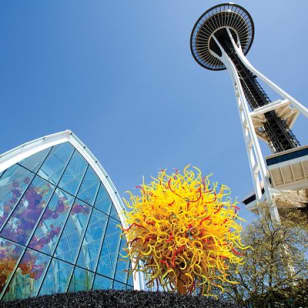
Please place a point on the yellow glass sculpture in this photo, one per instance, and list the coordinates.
(183, 232)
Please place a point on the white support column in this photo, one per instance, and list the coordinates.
(258, 169)
(296, 104)
(138, 279)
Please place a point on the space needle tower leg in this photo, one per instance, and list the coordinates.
(301, 108)
(257, 164)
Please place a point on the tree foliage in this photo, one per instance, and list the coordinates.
(276, 267)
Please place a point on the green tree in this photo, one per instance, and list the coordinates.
(276, 267)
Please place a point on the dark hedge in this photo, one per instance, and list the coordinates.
(114, 299)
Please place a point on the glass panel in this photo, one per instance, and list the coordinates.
(89, 187)
(129, 287)
(123, 263)
(12, 186)
(110, 249)
(51, 223)
(28, 276)
(91, 244)
(57, 278)
(34, 161)
(114, 213)
(130, 280)
(9, 254)
(118, 286)
(21, 223)
(81, 280)
(101, 282)
(73, 232)
(73, 173)
(103, 201)
(55, 163)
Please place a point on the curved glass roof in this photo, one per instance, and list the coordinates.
(59, 229)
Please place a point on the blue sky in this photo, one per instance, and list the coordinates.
(120, 75)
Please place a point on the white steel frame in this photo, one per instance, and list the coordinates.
(25, 150)
(258, 168)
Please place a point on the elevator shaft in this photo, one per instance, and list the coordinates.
(280, 136)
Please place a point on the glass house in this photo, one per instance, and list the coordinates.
(59, 221)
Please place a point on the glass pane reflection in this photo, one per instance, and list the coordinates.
(130, 280)
(119, 286)
(28, 276)
(12, 186)
(21, 223)
(57, 278)
(73, 233)
(114, 213)
(89, 252)
(101, 282)
(73, 173)
(89, 187)
(34, 162)
(9, 255)
(52, 222)
(55, 163)
(81, 280)
(103, 201)
(110, 249)
(123, 263)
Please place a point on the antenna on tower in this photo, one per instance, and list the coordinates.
(220, 40)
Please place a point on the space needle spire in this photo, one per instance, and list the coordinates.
(220, 40)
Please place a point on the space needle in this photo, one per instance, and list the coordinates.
(220, 40)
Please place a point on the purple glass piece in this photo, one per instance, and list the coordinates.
(78, 208)
(21, 223)
(13, 184)
(51, 222)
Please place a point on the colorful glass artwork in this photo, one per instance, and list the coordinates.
(183, 232)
